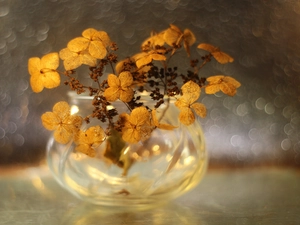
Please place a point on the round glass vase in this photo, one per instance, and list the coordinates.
(165, 166)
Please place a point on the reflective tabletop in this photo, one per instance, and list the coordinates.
(225, 196)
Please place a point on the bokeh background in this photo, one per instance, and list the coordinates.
(259, 126)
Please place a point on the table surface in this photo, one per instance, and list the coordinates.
(225, 196)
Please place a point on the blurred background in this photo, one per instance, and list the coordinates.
(259, 126)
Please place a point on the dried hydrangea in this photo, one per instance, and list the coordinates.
(127, 81)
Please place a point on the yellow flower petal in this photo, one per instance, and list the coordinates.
(112, 94)
(189, 39)
(62, 135)
(126, 95)
(226, 84)
(221, 57)
(103, 37)
(113, 80)
(126, 79)
(172, 35)
(232, 81)
(182, 102)
(89, 33)
(50, 120)
(34, 66)
(191, 90)
(207, 47)
(139, 116)
(154, 40)
(62, 109)
(199, 108)
(212, 89)
(50, 61)
(97, 49)
(228, 89)
(186, 116)
(131, 135)
(78, 44)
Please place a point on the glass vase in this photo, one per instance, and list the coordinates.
(165, 166)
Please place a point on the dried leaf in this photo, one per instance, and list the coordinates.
(43, 72)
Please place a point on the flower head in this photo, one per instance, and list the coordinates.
(174, 36)
(73, 60)
(119, 87)
(95, 42)
(136, 126)
(43, 72)
(87, 141)
(191, 93)
(226, 84)
(62, 122)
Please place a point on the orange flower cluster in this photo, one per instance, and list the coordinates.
(125, 83)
